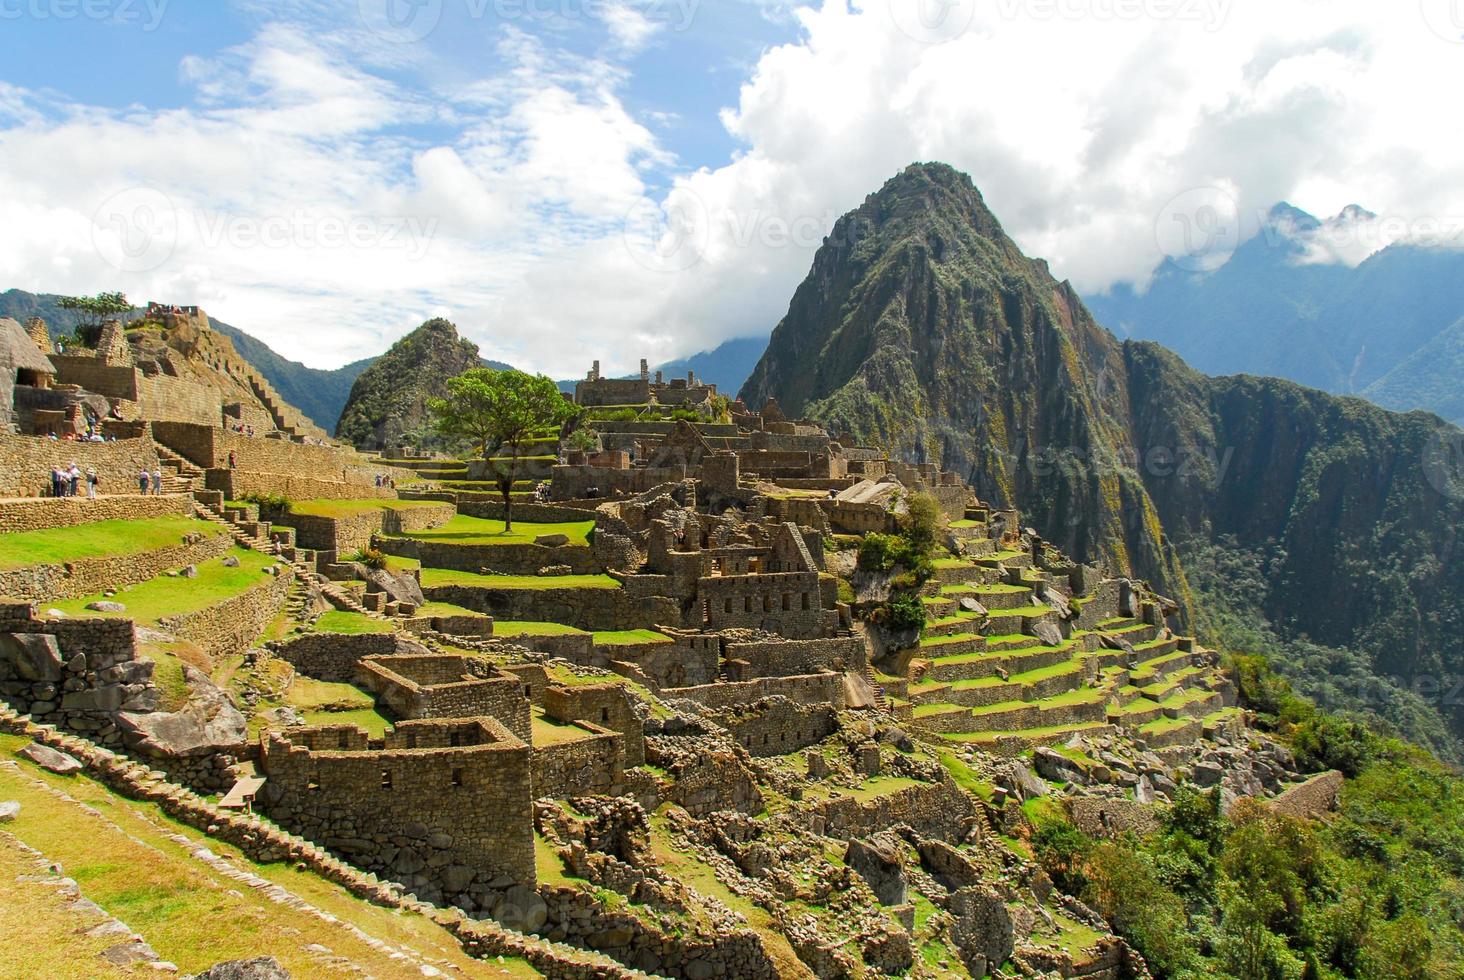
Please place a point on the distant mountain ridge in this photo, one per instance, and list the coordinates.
(1387, 330)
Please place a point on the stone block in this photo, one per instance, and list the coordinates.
(31, 656)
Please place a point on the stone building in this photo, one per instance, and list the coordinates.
(26, 373)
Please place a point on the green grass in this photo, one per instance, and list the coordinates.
(350, 508)
(477, 530)
(445, 609)
(155, 599)
(369, 720)
(519, 627)
(58, 545)
(351, 623)
(547, 731)
(441, 576)
(611, 638)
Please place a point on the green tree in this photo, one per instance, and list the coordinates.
(501, 412)
(922, 522)
(93, 312)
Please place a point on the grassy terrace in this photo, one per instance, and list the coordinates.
(519, 627)
(441, 576)
(477, 530)
(1029, 733)
(350, 623)
(612, 638)
(350, 508)
(56, 546)
(169, 595)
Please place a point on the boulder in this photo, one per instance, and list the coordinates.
(1053, 765)
(880, 867)
(1128, 599)
(189, 571)
(1206, 774)
(9, 810)
(260, 968)
(1058, 602)
(231, 562)
(30, 656)
(552, 540)
(521, 909)
(1048, 634)
(398, 588)
(983, 930)
(106, 606)
(207, 724)
(48, 758)
(970, 605)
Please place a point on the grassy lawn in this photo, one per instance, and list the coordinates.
(351, 623)
(610, 638)
(442, 576)
(547, 731)
(369, 720)
(523, 627)
(445, 609)
(166, 595)
(349, 508)
(58, 545)
(125, 858)
(477, 530)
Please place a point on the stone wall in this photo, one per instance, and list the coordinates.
(804, 689)
(42, 513)
(1313, 798)
(237, 484)
(509, 559)
(774, 658)
(492, 510)
(587, 609)
(335, 656)
(87, 576)
(590, 766)
(208, 447)
(938, 810)
(232, 625)
(26, 463)
(788, 603)
(606, 705)
(75, 674)
(574, 482)
(449, 822)
(446, 686)
(353, 532)
(777, 726)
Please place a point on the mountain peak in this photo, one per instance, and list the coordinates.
(1287, 214)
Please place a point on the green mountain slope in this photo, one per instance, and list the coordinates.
(923, 328)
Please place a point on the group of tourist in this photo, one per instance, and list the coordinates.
(384, 482)
(150, 483)
(240, 429)
(94, 435)
(66, 481)
(541, 492)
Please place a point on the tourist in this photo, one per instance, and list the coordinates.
(157, 482)
(56, 490)
(233, 463)
(91, 482)
(142, 481)
(73, 477)
(378, 481)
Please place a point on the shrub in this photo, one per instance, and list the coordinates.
(371, 558)
(584, 441)
(906, 612)
(878, 552)
(922, 523)
(277, 502)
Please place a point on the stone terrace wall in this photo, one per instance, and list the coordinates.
(806, 689)
(432, 686)
(209, 447)
(26, 463)
(448, 823)
(353, 532)
(492, 510)
(233, 624)
(42, 513)
(777, 726)
(510, 559)
(789, 603)
(778, 659)
(98, 657)
(335, 656)
(87, 576)
(236, 484)
(1316, 796)
(573, 482)
(937, 810)
(605, 705)
(587, 609)
(589, 766)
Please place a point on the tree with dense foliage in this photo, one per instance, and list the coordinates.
(501, 413)
(93, 311)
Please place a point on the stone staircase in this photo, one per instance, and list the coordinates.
(179, 475)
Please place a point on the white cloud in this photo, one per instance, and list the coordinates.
(1079, 126)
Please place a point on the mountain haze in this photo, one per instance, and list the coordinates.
(922, 327)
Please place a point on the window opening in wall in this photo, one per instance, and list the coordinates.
(457, 777)
(411, 740)
(454, 740)
(386, 779)
(605, 716)
(805, 601)
(343, 740)
(787, 602)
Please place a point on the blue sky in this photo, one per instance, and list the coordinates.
(616, 179)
